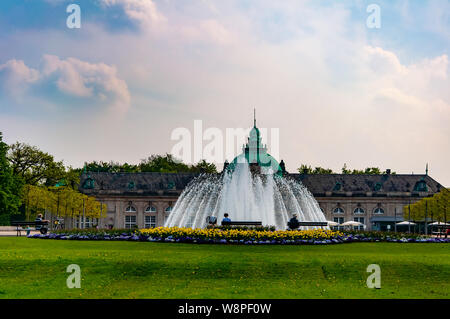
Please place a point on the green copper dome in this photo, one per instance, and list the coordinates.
(254, 153)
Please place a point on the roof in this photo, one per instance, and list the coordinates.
(135, 183)
(340, 184)
(318, 184)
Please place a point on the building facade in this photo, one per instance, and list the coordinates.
(146, 199)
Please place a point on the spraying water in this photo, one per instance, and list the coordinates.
(252, 188)
(245, 196)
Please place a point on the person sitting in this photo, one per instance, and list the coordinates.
(293, 222)
(40, 219)
(211, 220)
(226, 219)
(41, 224)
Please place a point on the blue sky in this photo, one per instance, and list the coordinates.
(137, 69)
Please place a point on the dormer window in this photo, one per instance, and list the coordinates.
(377, 187)
(131, 185)
(171, 185)
(337, 187)
(89, 183)
(421, 186)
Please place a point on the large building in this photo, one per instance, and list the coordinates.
(146, 199)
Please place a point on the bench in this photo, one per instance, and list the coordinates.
(321, 224)
(309, 224)
(241, 223)
(19, 226)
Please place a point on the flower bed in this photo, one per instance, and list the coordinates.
(247, 236)
(239, 236)
(379, 236)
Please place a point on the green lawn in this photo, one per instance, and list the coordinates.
(33, 268)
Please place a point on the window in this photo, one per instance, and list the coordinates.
(130, 222)
(339, 220)
(378, 210)
(171, 185)
(338, 210)
(89, 183)
(361, 220)
(421, 186)
(150, 209)
(150, 221)
(88, 222)
(377, 187)
(168, 209)
(358, 210)
(130, 209)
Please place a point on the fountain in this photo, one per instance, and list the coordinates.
(251, 188)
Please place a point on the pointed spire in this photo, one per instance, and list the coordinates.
(254, 117)
(426, 170)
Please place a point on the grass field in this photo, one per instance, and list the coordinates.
(33, 268)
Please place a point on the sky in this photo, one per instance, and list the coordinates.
(337, 91)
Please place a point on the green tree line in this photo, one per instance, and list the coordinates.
(155, 163)
(433, 208)
(308, 169)
(32, 181)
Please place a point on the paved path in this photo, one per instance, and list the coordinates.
(14, 233)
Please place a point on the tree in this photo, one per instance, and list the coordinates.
(204, 167)
(163, 164)
(305, 169)
(10, 186)
(367, 171)
(61, 201)
(345, 170)
(434, 207)
(34, 166)
(155, 163)
(110, 167)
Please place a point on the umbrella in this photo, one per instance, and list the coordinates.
(437, 224)
(352, 223)
(406, 223)
(330, 223)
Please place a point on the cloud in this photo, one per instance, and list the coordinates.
(143, 12)
(16, 76)
(72, 77)
(339, 92)
(416, 84)
(208, 30)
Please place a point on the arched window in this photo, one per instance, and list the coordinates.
(378, 210)
(130, 209)
(168, 209)
(358, 210)
(338, 210)
(150, 209)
